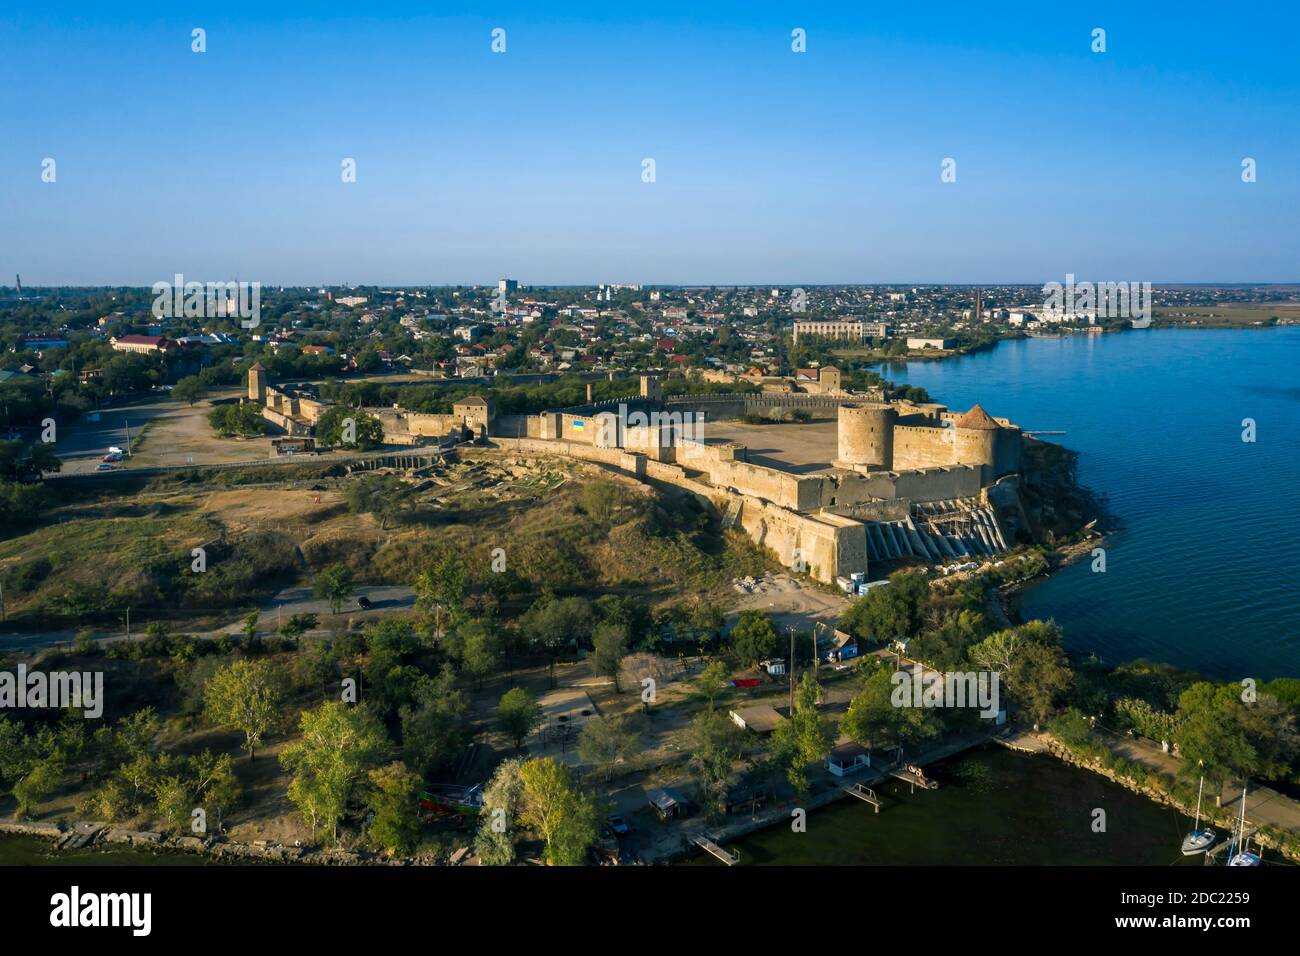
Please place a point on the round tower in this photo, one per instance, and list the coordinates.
(977, 441)
(866, 436)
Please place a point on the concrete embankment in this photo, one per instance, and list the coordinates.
(1267, 831)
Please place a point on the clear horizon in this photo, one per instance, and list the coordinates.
(771, 167)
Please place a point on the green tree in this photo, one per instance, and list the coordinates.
(394, 799)
(518, 715)
(215, 785)
(713, 680)
(753, 638)
(499, 822)
(440, 588)
(557, 624)
(247, 695)
(609, 643)
(384, 496)
(805, 738)
(435, 728)
(477, 646)
(1039, 679)
(556, 808)
(189, 390)
(875, 722)
(174, 799)
(334, 584)
(298, 625)
(337, 745)
(38, 784)
(716, 743)
(342, 427)
(242, 420)
(887, 613)
(1234, 736)
(607, 742)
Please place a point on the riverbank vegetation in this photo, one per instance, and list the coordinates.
(1230, 731)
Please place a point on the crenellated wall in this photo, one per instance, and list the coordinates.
(814, 519)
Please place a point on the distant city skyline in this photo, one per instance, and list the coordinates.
(771, 167)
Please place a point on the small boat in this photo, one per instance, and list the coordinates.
(462, 801)
(1198, 841)
(1243, 856)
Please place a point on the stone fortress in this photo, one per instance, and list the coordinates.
(295, 411)
(895, 480)
(860, 480)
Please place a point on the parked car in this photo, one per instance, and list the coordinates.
(364, 603)
(618, 826)
(104, 466)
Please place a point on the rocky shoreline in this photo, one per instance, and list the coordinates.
(1043, 742)
(89, 835)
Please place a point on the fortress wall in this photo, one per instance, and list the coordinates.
(413, 424)
(283, 422)
(719, 409)
(697, 454)
(829, 545)
(922, 447)
(1007, 452)
(756, 481)
(897, 510)
(727, 471)
(586, 452)
(728, 406)
(311, 409)
(578, 428)
(938, 484)
(516, 426)
(850, 489)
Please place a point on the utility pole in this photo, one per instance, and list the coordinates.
(791, 630)
(127, 426)
(128, 624)
(2, 601)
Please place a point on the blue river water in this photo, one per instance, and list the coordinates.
(1205, 570)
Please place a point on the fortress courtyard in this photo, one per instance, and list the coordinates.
(793, 447)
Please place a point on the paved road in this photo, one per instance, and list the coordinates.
(384, 600)
(83, 444)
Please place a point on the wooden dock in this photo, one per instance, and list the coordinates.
(915, 779)
(864, 793)
(731, 859)
(1220, 849)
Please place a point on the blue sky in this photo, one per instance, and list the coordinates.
(771, 166)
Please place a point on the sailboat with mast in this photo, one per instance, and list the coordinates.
(1198, 841)
(1242, 855)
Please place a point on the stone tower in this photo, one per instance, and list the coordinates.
(976, 441)
(651, 389)
(866, 437)
(257, 383)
